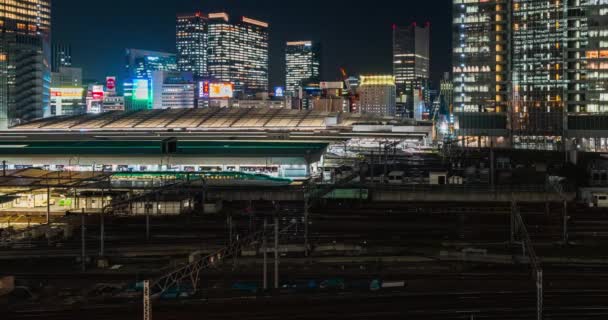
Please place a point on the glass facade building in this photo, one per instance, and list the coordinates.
(587, 75)
(480, 71)
(538, 74)
(141, 63)
(539, 63)
(25, 60)
(238, 52)
(302, 64)
(61, 56)
(411, 60)
(191, 40)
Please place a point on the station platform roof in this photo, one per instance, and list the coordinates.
(205, 119)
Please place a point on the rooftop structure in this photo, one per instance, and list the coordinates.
(206, 119)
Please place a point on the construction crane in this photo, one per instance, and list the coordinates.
(352, 93)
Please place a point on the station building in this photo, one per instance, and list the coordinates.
(280, 143)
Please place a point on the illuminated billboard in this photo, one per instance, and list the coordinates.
(203, 89)
(97, 92)
(279, 92)
(67, 93)
(216, 90)
(111, 84)
(140, 89)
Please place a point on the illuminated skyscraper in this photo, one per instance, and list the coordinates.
(411, 60)
(238, 52)
(302, 63)
(530, 74)
(587, 76)
(538, 73)
(480, 72)
(25, 27)
(213, 46)
(191, 39)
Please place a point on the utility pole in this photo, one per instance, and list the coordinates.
(83, 254)
(147, 305)
(101, 233)
(276, 252)
(265, 251)
(512, 221)
(539, 294)
(48, 203)
(565, 223)
(148, 206)
(306, 213)
(229, 229)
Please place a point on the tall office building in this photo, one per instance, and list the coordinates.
(302, 63)
(411, 61)
(216, 47)
(587, 76)
(538, 74)
(480, 72)
(530, 74)
(238, 52)
(61, 56)
(191, 39)
(25, 27)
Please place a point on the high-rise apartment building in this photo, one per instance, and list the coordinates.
(191, 40)
(25, 60)
(302, 63)
(61, 56)
(411, 61)
(216, 47)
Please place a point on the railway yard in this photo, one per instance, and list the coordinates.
(357, 244)
(450, 261)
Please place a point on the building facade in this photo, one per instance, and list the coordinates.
(61, 56)
(480, 71)
(302, 63)
(191, 40)
(529, 74)
(172, 90)
(141, 63)
(377, 95)
(538, 79)
(25, 60)
(411, 62)
(238, 52)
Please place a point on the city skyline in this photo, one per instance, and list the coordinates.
(153, 28)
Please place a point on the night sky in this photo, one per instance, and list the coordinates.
(353, 36)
